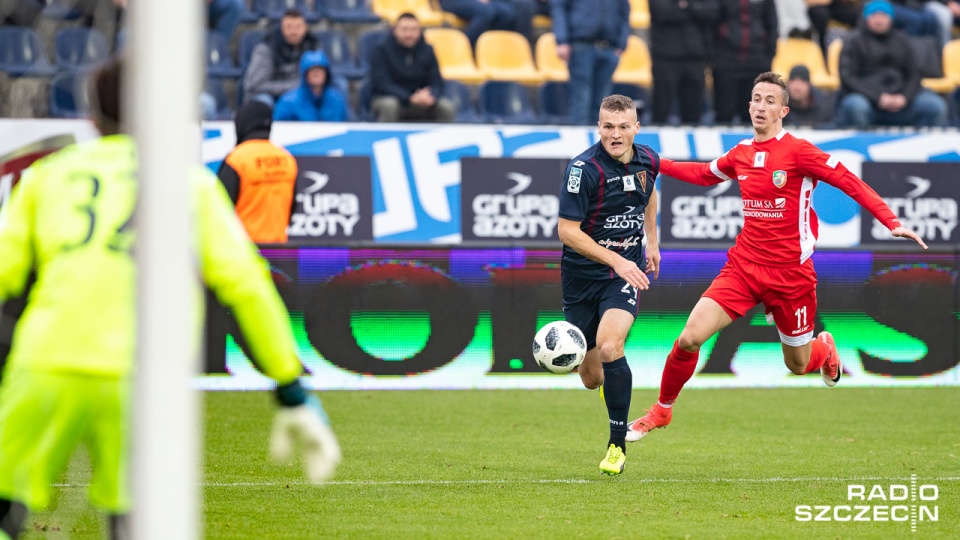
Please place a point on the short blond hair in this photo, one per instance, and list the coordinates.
(617, 103)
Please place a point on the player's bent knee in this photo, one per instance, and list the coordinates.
(689, 342)
(795, 368)
(610, 351)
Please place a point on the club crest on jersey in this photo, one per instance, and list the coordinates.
(759, 159)
(642, 180)
(573, 181)
(779, 178)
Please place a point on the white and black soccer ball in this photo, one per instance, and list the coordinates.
(559, 347)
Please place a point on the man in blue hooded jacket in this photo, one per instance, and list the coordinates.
(316, 99)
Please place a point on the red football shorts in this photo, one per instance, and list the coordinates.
(789, 296)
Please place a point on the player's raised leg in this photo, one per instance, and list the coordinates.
(617, 383)
(706, 319)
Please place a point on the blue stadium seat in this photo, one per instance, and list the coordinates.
(459, 93)
(219, 59)
(217, 90)
(347, 11)
(245, 44)
(365, 44)
(60, 10)
(68, 95)
(506, 102)
(80, 48)
(250, 14)
(22, 53)
(336, 45)
(554, 102)
(273, 9)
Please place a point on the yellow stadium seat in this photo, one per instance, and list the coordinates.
(635, 66)
(389, 10)
(454, 55)
(548, 63)
(639, 14)
(951, 70)
(833, 59)
(506, 56)
(797, 51)
(542, 22)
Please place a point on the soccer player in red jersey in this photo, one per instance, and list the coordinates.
(770, 260)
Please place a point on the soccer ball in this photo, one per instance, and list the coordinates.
(559, 347)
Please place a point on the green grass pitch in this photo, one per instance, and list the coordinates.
(523, 464)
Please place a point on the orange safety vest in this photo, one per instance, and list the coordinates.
(268, 176)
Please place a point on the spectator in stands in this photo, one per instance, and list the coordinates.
(746, 42)
(259, 176)
(20, 12)
(483, 15)
(923, 18)
(590, 38)
(681, 39)
(880, 78)
(405, 77)
(223, 16)
(315, 100)
(793, 19)
(809, 106)
(102, 15)
(274, 64)
(821, 12)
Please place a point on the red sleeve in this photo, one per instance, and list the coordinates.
(701, 174)
(817, 164)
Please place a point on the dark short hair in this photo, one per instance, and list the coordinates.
(106, 89)
(617, 103)
(406, 15)
(774, 78)
(293, 13)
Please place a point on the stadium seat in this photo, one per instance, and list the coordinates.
(459, 93)
(365, 45)
(454, 55)
(219, 59)
(798, 51)
(833, 60)
(68, 95)
(639, 14)
(506, 102)
(22, 53)
(635, 66)
(348, 11)
(389, 10)
(78, 47)
(551, 67)
(506, 56)
(951, 60)
(336, 45)
(273, 9)
(932, 61)
(250, 15)
(217, 90)
(555, 102)
(245, 44)
(542, 22)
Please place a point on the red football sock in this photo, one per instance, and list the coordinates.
(818, 355)
(680, 367)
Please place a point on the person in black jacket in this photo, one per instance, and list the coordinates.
(809, 106)
(881, 79)
(680, 42)
(405, 77)
(746, 40)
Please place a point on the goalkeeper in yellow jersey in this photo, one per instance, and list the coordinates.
(68, 376)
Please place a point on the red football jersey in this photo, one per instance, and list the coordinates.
(777, 177)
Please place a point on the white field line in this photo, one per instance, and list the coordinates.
(429, 482)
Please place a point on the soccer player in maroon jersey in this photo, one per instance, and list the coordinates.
(770, 260)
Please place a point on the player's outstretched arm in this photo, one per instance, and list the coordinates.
(701, 174)
(903, 232)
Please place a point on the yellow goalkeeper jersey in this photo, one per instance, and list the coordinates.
(69, 221)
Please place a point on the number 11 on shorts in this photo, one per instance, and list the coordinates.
(801, 314)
